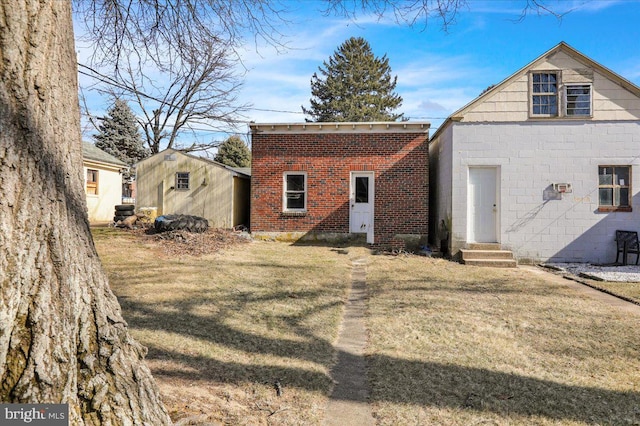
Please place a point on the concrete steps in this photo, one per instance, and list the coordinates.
(487, 255)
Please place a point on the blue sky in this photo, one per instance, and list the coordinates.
(438, 72)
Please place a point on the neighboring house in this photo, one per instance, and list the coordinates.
(323, 181)
(103, 183)
(545, 163)
(173, 182)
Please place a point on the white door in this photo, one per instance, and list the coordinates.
(483, 207)
(361, 202)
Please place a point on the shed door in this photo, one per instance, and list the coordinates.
(361, 202)
(483, 208)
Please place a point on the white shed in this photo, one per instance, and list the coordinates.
(103, 183)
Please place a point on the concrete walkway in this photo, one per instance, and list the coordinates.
(601, 296)
(348, 404)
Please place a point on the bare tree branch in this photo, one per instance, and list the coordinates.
(540, 7)
(404, 12)
(175, 58)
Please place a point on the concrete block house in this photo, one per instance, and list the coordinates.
(327, 181)
(544, 164)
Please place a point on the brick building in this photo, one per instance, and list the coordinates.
(327, 181)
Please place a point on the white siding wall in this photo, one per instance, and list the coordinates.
(610, 100)
(210, 194)
(532, 156)
(101, 207)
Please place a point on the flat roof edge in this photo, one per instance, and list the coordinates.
(342, 127)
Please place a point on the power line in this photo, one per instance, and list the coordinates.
(110, 81)
(199, 129)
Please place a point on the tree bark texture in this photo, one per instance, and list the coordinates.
(62, 336)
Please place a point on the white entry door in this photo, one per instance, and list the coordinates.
(483, 206)
(361, 202)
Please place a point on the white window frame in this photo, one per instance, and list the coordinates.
(566, 99)
(533, 94)
(286, 191)
(181, 178)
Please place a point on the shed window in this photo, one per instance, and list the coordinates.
(92, 182)
(544, 94)
(614, 188)
(295, 191)
(182, 180)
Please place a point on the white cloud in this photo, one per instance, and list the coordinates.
(428, 105)
(590, 6)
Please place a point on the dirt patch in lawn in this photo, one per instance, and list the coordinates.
(182, 243)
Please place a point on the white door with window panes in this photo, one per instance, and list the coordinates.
(361, 204)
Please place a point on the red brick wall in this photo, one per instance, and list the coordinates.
(399, 160)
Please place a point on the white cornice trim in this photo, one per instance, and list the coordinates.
(343, 127)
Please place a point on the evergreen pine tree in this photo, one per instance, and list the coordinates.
(119, 134)
(354, 86)
(234, 152)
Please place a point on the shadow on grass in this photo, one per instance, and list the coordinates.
(434, 385)
(424, 384)
(418, 383)
(214, 330)
(200, 368)
(439, 385)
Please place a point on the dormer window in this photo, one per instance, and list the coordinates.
(578, 100)
(544, 94)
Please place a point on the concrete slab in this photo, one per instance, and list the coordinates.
(583, 288)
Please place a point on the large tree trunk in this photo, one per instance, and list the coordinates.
(62, 336)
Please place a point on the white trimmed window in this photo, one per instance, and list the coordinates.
(614, 188)
(182, 180)
(294, 192)
(578, 100)
(544, 94)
